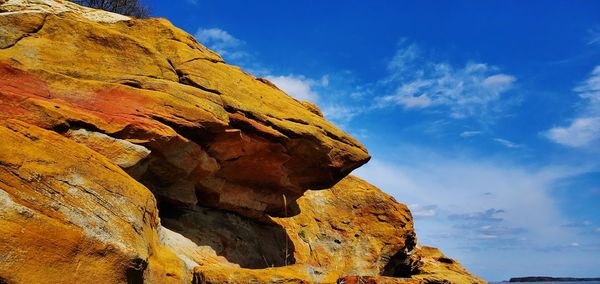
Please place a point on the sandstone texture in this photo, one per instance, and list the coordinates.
(131, 153)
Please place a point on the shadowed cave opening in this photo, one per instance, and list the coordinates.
(190, 210)
(241, 240)
(187, 208)
(401, 264)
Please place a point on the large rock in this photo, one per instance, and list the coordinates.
(428, 266)
(131, 153)
(216, 135)
(352, 233)
(69, 215)
(351, 229)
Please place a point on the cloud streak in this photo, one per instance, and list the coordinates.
(462, 92)
(507, 143)
(447, 183)
(222, 42)
(584, 129)
(471, 206)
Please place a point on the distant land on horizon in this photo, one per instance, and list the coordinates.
(551, 279)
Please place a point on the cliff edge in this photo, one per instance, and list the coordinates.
(131, 153)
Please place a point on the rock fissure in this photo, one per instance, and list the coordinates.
(184, 79)
(25, 35)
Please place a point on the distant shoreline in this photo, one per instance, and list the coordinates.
(551, 279)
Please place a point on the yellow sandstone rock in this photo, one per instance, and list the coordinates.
(68, 214)
(351, 229)
(131, 153)
(148, 82)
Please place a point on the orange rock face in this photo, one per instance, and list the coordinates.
(131, 153)
(210, 129)
(351, 229)
(70, 211)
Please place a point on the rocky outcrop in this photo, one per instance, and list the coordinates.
(68, 214)
(211, 130)
(132, 153)
(351, 229)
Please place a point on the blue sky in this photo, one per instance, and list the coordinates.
(482, 116)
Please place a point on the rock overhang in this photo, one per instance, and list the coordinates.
(188, 144)
(151, 84)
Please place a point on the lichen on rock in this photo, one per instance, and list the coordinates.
(132, 153)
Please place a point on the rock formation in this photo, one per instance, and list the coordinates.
(131, 153)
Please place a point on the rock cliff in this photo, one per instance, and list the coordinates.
(132, 153)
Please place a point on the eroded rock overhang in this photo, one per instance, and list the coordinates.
(190, 127)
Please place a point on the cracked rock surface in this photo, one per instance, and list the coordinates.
(131, 153)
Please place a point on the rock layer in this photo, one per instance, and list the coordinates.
(211, 129)
(351, 229)
(132, 153)
(70, 211)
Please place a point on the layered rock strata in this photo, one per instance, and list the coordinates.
(132, 153)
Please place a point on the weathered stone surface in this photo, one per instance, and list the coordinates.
(292, 274)
(56, 7)
(377, 280)
(121, 152)
(108, 121)
(246, 242)
(351, 229)
(70, 211)
(189, 252)
(351, 233)
(147, 82)
(435, 267)
(428, 266)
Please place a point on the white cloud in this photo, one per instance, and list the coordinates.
(340, 113)
(325, 80)
(404, 58)
(507, 143)
(465, 91)
(221, 42)
(298, 86)
(499, 82)
(470, 133)
(460, 188)
(583, 130)
(418, 210)
(482, 208)
(410, 101)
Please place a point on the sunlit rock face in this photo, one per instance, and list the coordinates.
(131, 153)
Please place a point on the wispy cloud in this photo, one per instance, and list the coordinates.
(475, 207)
(465, 91)
(299, 87)
(341, 113)
(594, 36)
(466, 134)
(458, 190)
(418, 210)
(488, 225)
(507, 143)
(222, 42)
(584, 129)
